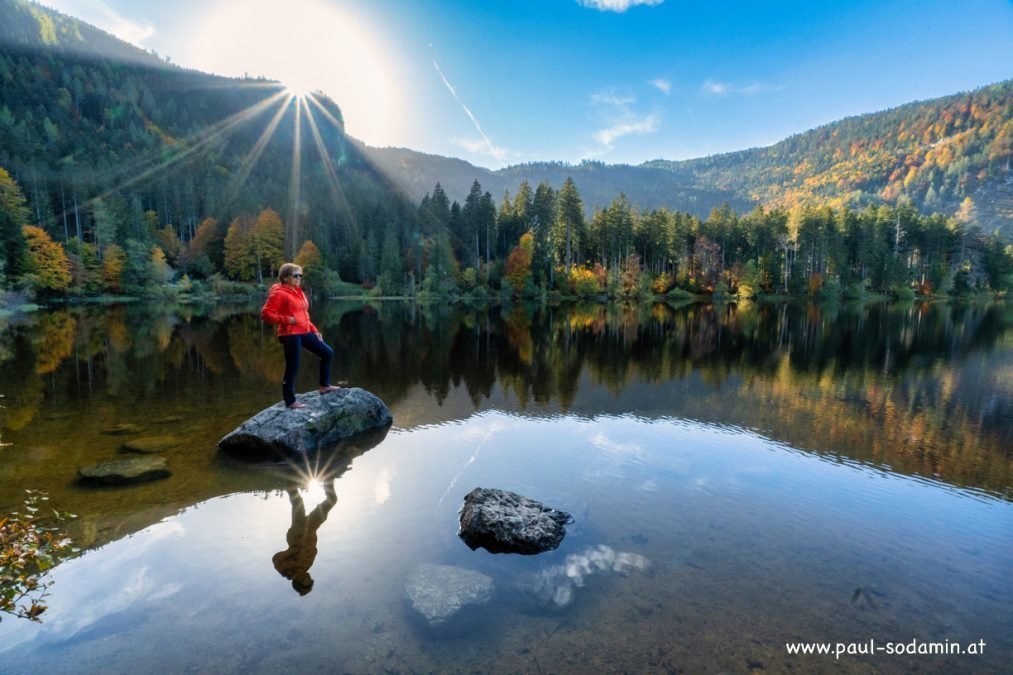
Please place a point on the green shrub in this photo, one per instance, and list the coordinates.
(903, 292)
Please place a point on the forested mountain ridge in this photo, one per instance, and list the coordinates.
(932, 154)
(417, 172)
(27, 25)
(109, 143)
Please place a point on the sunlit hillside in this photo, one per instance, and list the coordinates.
(931, 153)
(108, 142)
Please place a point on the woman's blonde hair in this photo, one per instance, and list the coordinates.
(287, 270)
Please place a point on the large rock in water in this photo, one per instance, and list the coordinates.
(125, 471)
(505, 522)
(325, 420)
(443, 595)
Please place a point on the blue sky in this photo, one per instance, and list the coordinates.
(498, 83)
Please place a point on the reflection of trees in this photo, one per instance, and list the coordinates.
(925, 388)
(21, 383)
(253, 350)
(53, 340)
(884, 384)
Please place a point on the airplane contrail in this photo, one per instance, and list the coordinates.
(492, 150)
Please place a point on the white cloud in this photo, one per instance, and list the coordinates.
(105, 17)
(481, 146)
(617, 6)
(620, 119)
(716, 88)
(612, 99)
(724, 88)
(662, 85)
(644, 125)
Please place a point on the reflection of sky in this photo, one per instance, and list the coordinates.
(673, 485)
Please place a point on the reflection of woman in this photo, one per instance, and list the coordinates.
(294, 562)
(288, 309)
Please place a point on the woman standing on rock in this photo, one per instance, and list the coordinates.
(288, 309)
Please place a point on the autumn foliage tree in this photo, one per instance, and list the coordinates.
(517, 270)
(13, 216)
(114, 258)
(202, 249)
(46, 263)
(312, 264)
(240, 261)
(267, 240)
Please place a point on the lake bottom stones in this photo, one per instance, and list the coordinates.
(445, 598)
(125, 471)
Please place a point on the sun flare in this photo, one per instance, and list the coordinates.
(309, 46)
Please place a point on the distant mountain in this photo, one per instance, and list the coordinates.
(417, 173)
(109, 141)
(933, 153)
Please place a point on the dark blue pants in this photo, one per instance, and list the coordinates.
(293, 345)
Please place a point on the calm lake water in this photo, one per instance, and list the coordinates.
(765, 474)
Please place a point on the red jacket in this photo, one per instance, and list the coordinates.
(283, 303)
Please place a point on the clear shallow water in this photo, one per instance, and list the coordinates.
(749, 538)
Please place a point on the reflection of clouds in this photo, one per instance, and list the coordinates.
(603, 442)
(556, 585)
(83, 596)
(381, 491)
(136, 587)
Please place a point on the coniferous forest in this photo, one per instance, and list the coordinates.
(121, 173)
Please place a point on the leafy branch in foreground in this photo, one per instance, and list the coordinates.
(30, 545)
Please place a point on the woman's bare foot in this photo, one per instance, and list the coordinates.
(297, 404)
(328, 389)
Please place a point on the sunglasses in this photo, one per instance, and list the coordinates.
(297, 276)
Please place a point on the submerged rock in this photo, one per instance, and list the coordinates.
(149, 445)
(325, 420)
(505, 522)
(440, 594)
(124, 429)
(125, 471)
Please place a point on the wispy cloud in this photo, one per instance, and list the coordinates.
(617, 6)
(612, 99)
(100, 14)
(481, 146)
(662, 85)
(620, 119)
(716, 88)
(485, 147)
(644, 125)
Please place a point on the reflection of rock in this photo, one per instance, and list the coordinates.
(149, 445)
(124, 429)
(554, 586)
(125, 471)
(505, 522)
(442, 594)
(325, 420)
